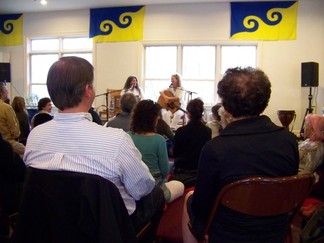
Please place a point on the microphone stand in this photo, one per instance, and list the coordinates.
(107, 110)
(189, 93)
(107, 100)
(309, 110)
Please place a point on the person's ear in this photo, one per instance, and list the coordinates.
(88, 91)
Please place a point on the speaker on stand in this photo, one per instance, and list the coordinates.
(309, 78)
(5, 76)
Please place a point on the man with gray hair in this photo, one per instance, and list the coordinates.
(122, 120)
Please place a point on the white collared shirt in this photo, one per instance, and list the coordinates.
(71, 142)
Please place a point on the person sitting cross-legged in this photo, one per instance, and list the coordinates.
(153, 148)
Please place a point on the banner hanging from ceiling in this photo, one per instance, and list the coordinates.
(264, 20)
(117, 24)
(11, 29)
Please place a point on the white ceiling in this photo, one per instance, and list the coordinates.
(28, 6)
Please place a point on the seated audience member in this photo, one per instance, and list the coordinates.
(250, 145)
(19, 106)
(215, 124)
(132, 86)
(12, 172)
(42, 118)
(188, 142)
(311, 151)
(95, 116)
(44, 108)
(122, 120)
(153, 148)
(9, 124)
(225, 119)
(88, 148)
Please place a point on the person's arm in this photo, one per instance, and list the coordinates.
(25, 125)
(207, 185)
(13, 123)
(95, 116)
(168, 98)
(12, 166)
(163, 158)
(314, 157)
(135, 175)
(142, 96)
(164, 129)
(178, 144)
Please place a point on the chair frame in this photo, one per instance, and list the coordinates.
(246, 196)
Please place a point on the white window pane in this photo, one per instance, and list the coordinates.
(40, 65)
(77, 43)
(238, 56)
(44, 45)
(160, 61)
(199, 62)
(153, 88)
(87, 56)
(205, 90)
(39, 91)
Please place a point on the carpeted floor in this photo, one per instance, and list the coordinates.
(169, 230)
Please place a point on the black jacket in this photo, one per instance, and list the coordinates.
(61, 206)
(188, 142)
(12, 173)
(248, 147)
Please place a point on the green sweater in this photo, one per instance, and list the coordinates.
(154, 152)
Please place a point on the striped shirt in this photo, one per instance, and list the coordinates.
(71, 142)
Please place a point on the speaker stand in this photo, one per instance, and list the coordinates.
(309, 110)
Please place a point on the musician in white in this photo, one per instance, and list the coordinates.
(132, 86)
(173, 102)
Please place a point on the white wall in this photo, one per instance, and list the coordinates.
(205, 23)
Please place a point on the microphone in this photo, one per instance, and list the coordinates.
(132, 87)
(171, 85)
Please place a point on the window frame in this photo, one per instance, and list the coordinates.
(218, 60)
(60, 52)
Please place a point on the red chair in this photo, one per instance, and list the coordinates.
(260, 196)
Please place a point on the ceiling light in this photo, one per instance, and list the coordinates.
(43, 2)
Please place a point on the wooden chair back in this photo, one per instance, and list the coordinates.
(264, 196)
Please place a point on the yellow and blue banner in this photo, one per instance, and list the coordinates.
(117, 24)
(264, 20)
(11, 29)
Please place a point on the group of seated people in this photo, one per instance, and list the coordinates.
(240, 142)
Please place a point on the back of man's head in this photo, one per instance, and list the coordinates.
(67, 79)
(127, 102)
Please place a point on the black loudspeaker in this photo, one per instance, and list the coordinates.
(5, 76)
(309, 77)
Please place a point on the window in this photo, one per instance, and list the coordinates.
(197, 65)
(43, 52)
(234, 56)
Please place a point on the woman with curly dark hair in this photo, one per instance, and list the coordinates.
(153, 147)
(250, 145)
